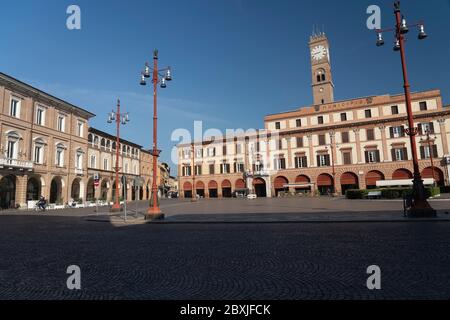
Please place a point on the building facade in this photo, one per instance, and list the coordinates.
(48, 149)
(43, 146)
(326, 147)
(102, 148)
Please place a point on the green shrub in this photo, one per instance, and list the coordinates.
(433, 191)
(390, 194)
(356, 194)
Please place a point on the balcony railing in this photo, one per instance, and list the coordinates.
(16, 163)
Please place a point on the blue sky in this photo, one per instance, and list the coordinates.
(233, 61)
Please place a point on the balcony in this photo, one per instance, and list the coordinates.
(16, 164)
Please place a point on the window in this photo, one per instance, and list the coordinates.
(320, 118)
(39, 151)
(372, 156)
(40, 116)
(258, 146)
(105, 164)
(298, 123)
(199, 153)
(426, 127)
(370, 134)
(299, 142)
(238, 148)
(397, 132)
(323, 160)
(280, 144)
(425, 152)
(211, 169)
(258, 166)
(238, 167)
(80, 127)
(14, 110)
(347, 157)
(277, 125)
(280, 164)
(198, 170)
(93, 161)
(301, 162)
(322, 140)
(60, 124)
(423, 106)
(394, 110)
(211, 152)
(225, 168)
(399, 154)
(344, 116)
(79, 160)
(186, 171)
(59, 157)
(345, 137)
(11, 152)
(224, 150)
(368, 113)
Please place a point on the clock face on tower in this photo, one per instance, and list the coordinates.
(318, 52)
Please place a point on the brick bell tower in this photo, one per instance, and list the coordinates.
(322, 80)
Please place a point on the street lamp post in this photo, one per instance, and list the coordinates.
(194, 191)
(157, 78)
(333, 170)
(430, 150)
(119, 118)
(420, 206)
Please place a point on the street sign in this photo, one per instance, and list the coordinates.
(96, 180)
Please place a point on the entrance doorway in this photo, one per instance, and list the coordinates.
(7, 192)
(56, 190)
(33, 189)
(259, 185)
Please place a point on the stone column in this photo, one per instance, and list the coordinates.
(382, 128)
(289, 152)
(443, 135)
(358, 145)
(312, 159)
(21, 191)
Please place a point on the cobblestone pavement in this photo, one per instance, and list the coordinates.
(222, 261)
(260, 210)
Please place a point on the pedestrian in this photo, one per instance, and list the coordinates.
(42, 203)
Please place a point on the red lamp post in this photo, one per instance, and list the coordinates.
(420, 206)
(157, 78)
(119, 118)
(194, 191)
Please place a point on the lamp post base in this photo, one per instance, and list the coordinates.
(116, 208)
(154, 214)
(421, 209)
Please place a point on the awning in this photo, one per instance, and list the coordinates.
(299, 185)
(404, 182)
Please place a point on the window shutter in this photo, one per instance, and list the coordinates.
(431, 127)
(366, 154)
(318, 161)
(435, 151)
(377, 153)
(305, 162)
(405, 153)
(327, 160)
(394, 158)
(419, 126)
(402, 131)
(391, 131)
(422, 152)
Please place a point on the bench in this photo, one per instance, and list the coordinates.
(374, 195)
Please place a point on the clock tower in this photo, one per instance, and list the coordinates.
(322, 80)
